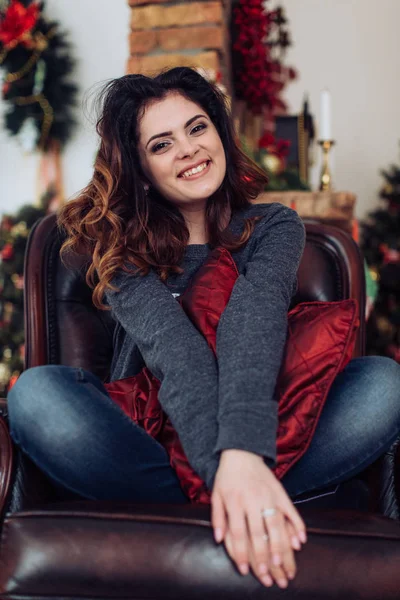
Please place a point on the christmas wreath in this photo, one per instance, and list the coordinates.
(35, 56)
(259, 41)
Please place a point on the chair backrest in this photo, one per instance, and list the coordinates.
(63, 327)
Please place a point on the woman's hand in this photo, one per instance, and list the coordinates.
(244, 486)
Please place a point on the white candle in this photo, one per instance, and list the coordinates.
(326, 117)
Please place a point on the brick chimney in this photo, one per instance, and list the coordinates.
(169, 33)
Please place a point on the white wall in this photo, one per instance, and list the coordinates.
(351, 46)
(98, 31)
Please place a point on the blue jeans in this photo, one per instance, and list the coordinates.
(63, 418)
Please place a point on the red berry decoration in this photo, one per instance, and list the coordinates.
(259, 75)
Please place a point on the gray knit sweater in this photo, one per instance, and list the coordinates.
(228, 402)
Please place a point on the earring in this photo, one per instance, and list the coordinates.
(146, 188)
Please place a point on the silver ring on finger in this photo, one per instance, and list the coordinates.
(268, 512)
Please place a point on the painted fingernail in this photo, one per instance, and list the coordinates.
(303, 537)
(266, 580)
(296, 543)
(218, 535)
(244, 569)
(276, 559)
(262, 568)
(282, 583)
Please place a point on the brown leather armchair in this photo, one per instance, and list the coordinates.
(58, 546)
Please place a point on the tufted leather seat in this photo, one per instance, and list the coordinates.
(55, 546)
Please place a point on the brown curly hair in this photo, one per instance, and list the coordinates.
(115, 222)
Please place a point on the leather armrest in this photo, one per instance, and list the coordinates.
(6, 455)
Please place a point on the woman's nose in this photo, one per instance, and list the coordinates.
(187, 148)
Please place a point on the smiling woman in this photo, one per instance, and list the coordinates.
(170, 200)
(154, 132)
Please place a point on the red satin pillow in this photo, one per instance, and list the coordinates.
(321, 338)
(320, 343)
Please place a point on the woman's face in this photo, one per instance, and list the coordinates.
(180, 151)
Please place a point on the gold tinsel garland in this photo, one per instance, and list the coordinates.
(40, 42)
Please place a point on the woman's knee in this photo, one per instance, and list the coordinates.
(375, 390)
(379, 375)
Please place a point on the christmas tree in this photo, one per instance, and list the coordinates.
(381, 247)
(14, 232)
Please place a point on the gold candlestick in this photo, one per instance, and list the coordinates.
(326, 177)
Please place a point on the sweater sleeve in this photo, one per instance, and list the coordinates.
(178, 355)
(252, 332)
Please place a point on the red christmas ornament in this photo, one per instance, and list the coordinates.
(394, 352)
(17, 23)
(8, 252)
(6, 88)
(390, 255)
(12, 381)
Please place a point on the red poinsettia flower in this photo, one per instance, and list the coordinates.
(266, 141)
(282, 148)
(269, 143)
(17, 22)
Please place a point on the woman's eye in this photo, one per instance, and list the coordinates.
(159, 146)
(198, 128)
(162, 145)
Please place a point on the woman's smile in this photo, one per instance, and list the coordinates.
(196, 172)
